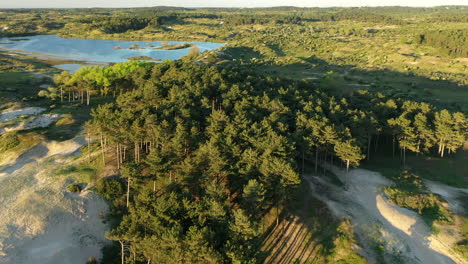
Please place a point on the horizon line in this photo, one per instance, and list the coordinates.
(234, 7)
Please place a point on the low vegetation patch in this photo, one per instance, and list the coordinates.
(343, 246)
(81, 172)
(8, 141)
(74, 188)
(176, 46)
(66, 120)
(461, 247)
(410, 192)
(144, 58)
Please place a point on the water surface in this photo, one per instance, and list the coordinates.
(95, 51)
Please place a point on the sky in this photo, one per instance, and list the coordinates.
(221, 3)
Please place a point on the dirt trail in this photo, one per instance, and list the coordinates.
(40, 222)
(403, 233)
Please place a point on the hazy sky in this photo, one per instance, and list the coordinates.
(223, 3)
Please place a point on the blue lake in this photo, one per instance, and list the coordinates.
(95, 51)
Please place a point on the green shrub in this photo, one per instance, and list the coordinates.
(110, 189)
(74, 188)
(8, 141)
(410, 192)
(409, 182)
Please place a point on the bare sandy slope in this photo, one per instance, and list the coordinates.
(40, 222)
(403, 233)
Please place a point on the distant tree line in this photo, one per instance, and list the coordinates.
(119, 21)
(359, 15)
(123, 23)
(444, 17)
(237, 20)
(452, 42)
(302, 16)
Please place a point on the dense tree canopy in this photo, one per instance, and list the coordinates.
(206, 150)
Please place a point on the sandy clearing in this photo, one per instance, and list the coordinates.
(405, 236)
(71, 240)
(12, 114)
(42, 223)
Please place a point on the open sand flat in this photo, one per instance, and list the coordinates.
(40, 221)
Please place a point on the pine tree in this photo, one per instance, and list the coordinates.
(348, 152)
(451, 131)
(254, 197)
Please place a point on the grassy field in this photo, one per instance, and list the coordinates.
(19, 84)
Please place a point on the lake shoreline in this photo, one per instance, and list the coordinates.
(78, 52)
